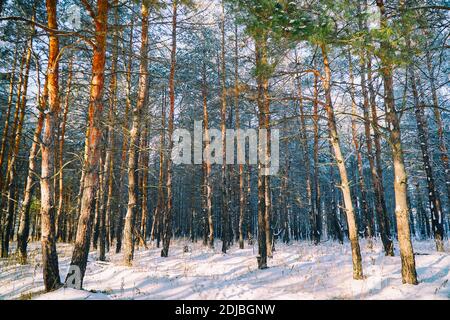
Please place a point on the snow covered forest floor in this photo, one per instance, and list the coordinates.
(297, 271)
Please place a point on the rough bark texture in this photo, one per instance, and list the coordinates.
(134, 140)
(92, 156)
(400, 179)
(48, 237)
(262, 82)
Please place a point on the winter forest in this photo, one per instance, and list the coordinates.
(349, 196)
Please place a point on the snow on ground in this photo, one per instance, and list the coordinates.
(297, 271)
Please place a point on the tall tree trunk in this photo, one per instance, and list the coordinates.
(24, 225)
(375, 168)
(377, 171)
(48, 237)
(11, 185)
(316, 181)
(345, 187)
(59, 216)
(105, 210)
(355, 138)
(134, 140)
(242, 207)
(207, 185)
(263, 117)
(159, 210)
(119, 216)
(409, 274)
(441, 131)
(5, 134)
(313, 213)
(223, 114)
(167, 219)
(433, 197)
(144, 190)
(249, 215)
(92, 156)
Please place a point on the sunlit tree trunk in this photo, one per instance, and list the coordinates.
(345, 187)
(24, 224)
(92, 156)
(207, 185)
(400, 178)
(48, 214)
(134, 140)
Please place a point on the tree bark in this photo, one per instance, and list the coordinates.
(48, 237)
(159, 210)
(345, 187)
(434, 201)
(242, 207)
(207, 186)
(120, 215)
(409, 274)
(263, 201)
(11, 185)
(134, 140)
(441, 131)
(24, 225)
(92, 156)
(355, 138)
(59, 216)
(167, 219)
(5, 134)
(223, 113)
(313, 213)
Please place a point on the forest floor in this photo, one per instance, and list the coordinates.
(297, 271)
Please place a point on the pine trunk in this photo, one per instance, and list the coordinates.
(134, 141)
(345, 187)
(48, 214)
(409, 274)
(93, 150)
(167, 219)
